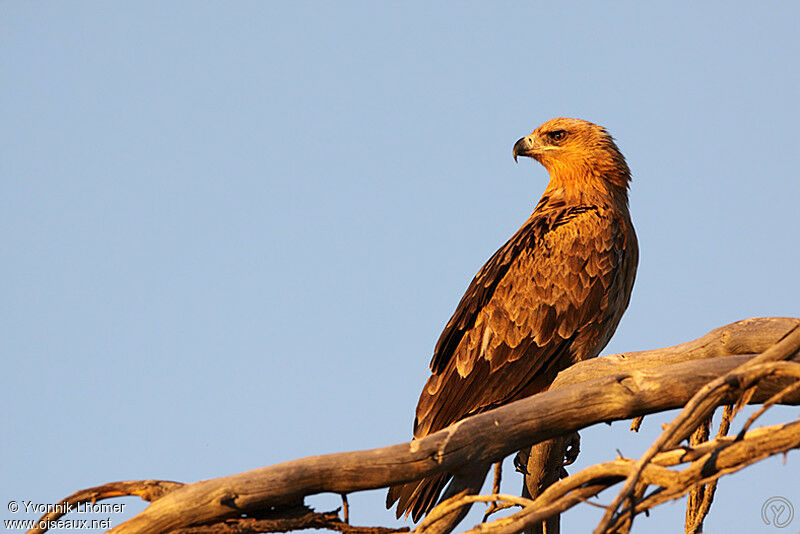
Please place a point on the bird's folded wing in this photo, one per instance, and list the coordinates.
(525, 316)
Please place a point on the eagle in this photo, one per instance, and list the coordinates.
(552, 296)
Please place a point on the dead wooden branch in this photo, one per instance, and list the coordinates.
(287, 520)
(148, 490)
(702, 405)
(703, 472)
(700, 498)
(617, 387)
(705, 464)
(496, 506)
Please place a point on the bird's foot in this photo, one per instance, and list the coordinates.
(572, 449)
(521, 461)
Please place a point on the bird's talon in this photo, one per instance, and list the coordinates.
(572, 448)
(521, 463)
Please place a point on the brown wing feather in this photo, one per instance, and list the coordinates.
(539, 304)
(478, 294)
(543, 299)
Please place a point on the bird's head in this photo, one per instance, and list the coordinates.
(574, 151)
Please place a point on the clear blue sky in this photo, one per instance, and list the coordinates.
(232, 232)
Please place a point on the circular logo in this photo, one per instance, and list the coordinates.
(777, 511)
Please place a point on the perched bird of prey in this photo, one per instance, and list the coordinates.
(550, 297)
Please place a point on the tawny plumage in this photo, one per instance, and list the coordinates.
(550, 297)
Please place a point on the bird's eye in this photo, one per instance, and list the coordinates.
(558, 135)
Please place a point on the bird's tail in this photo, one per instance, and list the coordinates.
(418, 497)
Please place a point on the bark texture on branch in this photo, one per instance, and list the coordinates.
(605, 389)
(704, 464)
(740, 384)
(744, 337)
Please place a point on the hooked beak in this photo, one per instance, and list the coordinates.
(523, 147)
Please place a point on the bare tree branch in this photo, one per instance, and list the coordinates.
(703, 404)
(616, 387)
(700, 498)
(148, 490)
(286, 521)
(705, 464)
